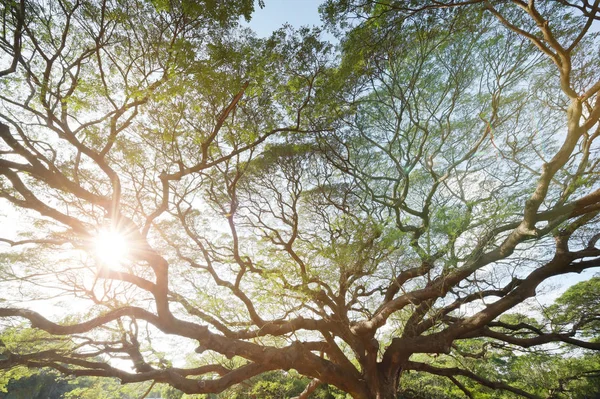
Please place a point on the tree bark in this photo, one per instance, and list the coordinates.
(383, 382)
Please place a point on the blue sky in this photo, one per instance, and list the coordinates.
(278, 12)
(306, 12)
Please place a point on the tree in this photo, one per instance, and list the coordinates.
(553, 371)
(283, 210)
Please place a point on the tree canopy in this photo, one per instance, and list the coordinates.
(199, 207)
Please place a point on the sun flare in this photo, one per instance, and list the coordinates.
(111, 247)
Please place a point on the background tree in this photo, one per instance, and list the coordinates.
(551, 371)
(284, 211)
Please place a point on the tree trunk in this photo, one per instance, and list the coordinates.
(385, 391)
(383, 384)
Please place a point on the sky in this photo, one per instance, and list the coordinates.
(306, 12)
(279, 12)
(264, 21)
(299, 13)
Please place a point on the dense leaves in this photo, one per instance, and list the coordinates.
(304, 218)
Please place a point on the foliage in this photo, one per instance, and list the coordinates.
(579, 308)
(47, 384)
(39, 385)
(304, 219)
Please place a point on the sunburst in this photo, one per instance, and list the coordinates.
(111, 247)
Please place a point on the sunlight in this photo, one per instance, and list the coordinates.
(111, 247)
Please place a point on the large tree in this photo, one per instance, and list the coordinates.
(277, 207)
